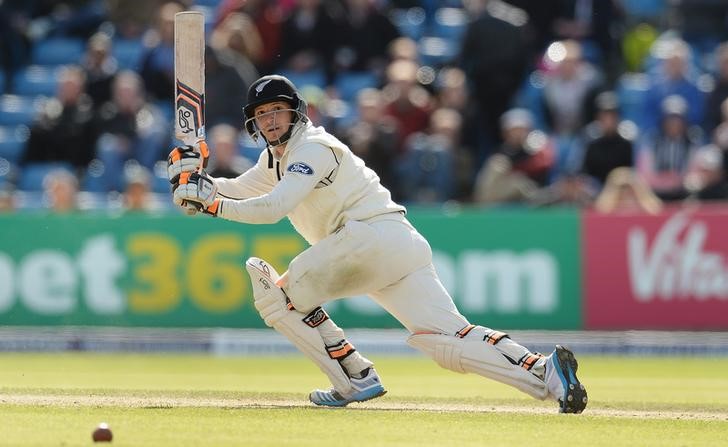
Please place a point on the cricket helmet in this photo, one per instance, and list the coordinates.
(268, 89)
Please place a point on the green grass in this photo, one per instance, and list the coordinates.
(165, 400)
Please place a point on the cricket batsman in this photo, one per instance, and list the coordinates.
(361, 243)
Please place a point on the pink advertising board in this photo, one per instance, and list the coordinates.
(668, 271)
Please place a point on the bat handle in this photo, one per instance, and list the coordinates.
(191, 209)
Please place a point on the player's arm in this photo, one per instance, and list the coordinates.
(311, 164)
(183, 169)
(254, 182)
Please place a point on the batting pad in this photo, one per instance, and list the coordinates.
(471, 354)
(271, 303)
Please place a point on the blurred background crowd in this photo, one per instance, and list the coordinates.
(592, 103)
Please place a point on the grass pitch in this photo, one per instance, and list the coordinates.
(166, 400)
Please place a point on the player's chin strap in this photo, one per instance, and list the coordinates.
(474, 349)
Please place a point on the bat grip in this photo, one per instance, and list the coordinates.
(190, 208)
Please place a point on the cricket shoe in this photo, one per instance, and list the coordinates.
(368, 387)
(562, 383)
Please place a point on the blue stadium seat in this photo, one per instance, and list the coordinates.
(32, 175)
(17, 110)
(436, 51)
(160, 184)
(316, 78)
(644, 9)
(207, 3)
(58, 51)
(12, 142)
(450, 23)
(36, 80)
(128, 53)
(350, 84)
(632, 90)
(410, 22)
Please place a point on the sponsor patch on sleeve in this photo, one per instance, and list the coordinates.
(300, 167)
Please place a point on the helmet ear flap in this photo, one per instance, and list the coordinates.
(250, 126)
(302, 108)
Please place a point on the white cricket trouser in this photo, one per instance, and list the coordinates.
(385, 258)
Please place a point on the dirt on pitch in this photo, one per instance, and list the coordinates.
(381, 405)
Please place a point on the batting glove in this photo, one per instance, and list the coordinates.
(198, 189)
(186, 159)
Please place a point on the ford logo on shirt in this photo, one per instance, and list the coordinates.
(300, 167)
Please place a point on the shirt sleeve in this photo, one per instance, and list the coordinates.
(253, 182)
(305, 169)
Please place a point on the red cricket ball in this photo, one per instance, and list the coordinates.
(102, 433)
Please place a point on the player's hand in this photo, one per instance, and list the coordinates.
(186, 159)
(198, 189)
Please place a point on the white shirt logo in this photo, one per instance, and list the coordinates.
(261, 86)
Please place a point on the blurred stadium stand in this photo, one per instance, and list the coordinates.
(32, 176)
(349, 84)
(128, 53)
(58, 51)
(36, 80)
(12, 142)
(18, 110)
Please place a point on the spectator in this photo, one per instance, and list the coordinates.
(268, 18)
(237, 41)
(403, 48)
(226, 160)
(494, 56)
(608, 143)
(131, 18)
(7, 199)
(100, 68)
(625, 191)
(64, 130)
(702, 22)
(451, 89)
(306, 38)
(365, 34)
(129, 128)
(570, 88)
(706, 179)
(14, 43)
(569, 91)
(137, 190)
(673, 78)
(720, 136)
(427, 170)
(594, 23)
(405, 100)
(521, 165)
(60, 189)
(222, 78)
(373, 137)
(714, 111)
(663, 158)
(158, 57)
(571, 189)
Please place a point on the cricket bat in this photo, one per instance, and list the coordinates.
(189, 86)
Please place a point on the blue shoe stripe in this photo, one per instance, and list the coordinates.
(327, 398)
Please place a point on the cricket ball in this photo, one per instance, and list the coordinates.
(102, 433)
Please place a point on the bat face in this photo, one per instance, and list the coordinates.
(189, 71)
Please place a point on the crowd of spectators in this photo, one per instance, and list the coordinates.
(591, 103)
